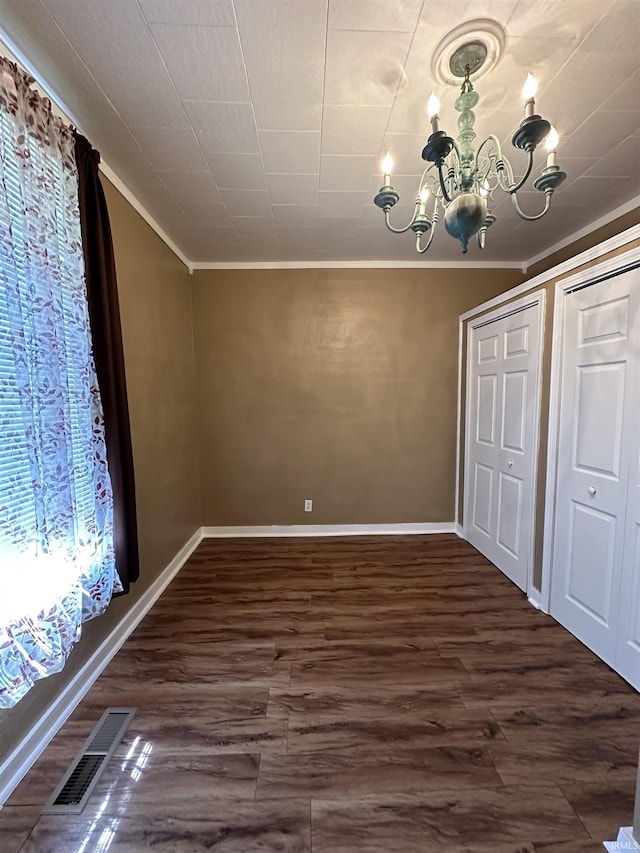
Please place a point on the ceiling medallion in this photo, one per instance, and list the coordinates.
(486, 34)
(460, 179)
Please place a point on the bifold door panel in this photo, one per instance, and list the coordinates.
(595, 591)
(502, 428)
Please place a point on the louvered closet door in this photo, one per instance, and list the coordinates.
(596, 557)
(503, 375)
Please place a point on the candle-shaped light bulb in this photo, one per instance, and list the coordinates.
(424, 195)
(433, 109)
(529, 93)
(484, 189)
(387, 167)
(552, 146)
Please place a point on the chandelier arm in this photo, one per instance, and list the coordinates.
(547, 204)
(486, 166)
(398, 230)
(491, 138)
(432, 231)
(523, 180)
(443, 187)
(505, 174)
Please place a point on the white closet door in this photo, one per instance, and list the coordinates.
(627, 661)
(597, 419)
(502, 429)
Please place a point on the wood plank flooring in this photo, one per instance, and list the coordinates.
(349, 694)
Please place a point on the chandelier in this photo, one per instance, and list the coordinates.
(462, 180)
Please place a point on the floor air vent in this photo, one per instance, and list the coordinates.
(71, 795)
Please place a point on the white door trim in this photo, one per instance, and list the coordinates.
(606, 269)
(536, 298)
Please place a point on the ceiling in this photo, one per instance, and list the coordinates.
(252, 130)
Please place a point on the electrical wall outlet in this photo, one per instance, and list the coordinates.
(308, 506)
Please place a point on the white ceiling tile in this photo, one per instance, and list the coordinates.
(171, 148)
(295, 215)
(99, 122)
(585, 190)
(338, 227)
(206, 215)
(342, 205)
(299, 243)
(385, 16)
(138, 169)
(555, 19)
(594, 137)
(151, 101)
(224, 127)
(373, 217)
(214, 13)
(214, 51)
(247, 226)
(621, 162)
(246, 202)
(290, 152)
(31, 25)
(293, 63)
(166, 211)
(260, 246)
(293, 189)
(163, 109)
(409, 112)
(346, 173)
(209, 240)
(353, 130)
(129, 42)
(192, 187)
(579, 89)
(237, 171)
(626, 96)
(358, 72)
(616, 31)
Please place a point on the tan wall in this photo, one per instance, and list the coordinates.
(334, 385)
(155, 302)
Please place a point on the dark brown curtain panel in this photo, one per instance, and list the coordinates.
(104, 315)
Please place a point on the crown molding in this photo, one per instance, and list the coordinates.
(122, 188)
(324, 265)
(616, 213)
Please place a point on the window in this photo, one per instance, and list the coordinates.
(57, 566)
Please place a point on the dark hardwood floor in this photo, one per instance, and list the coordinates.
(378, 695)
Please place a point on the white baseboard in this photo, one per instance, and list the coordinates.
(459, 531)
(54, 716)
(328, 529)
(625, 841)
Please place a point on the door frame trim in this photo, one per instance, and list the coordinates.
(532, 299)
(586, 278)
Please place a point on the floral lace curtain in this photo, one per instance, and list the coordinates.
(56, 510)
